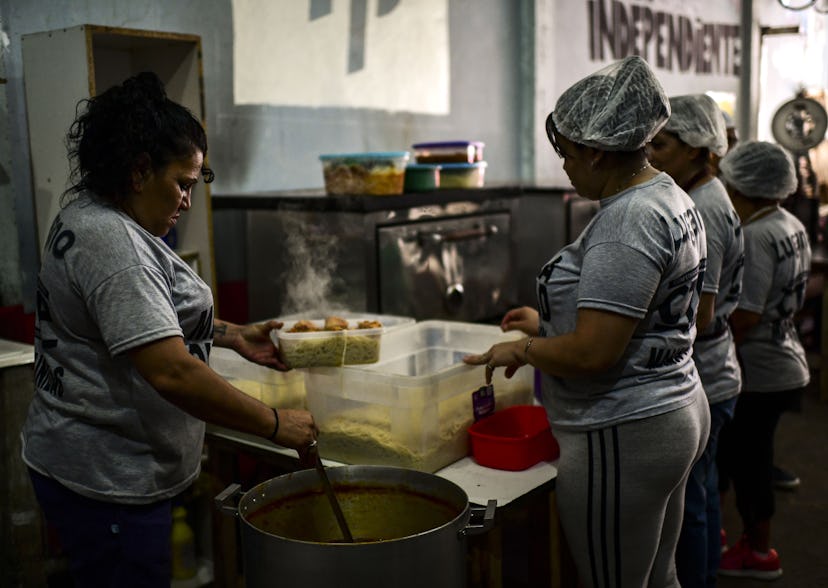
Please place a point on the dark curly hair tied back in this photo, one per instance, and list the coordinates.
(124, 123)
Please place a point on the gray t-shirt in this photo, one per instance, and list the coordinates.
(642, 256)
(106, 286)
(714, 351)
(777, 262)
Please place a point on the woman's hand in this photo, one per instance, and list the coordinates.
(190, 384)
(253, 342)
(297, 430)
(598, 342)
(524, 319)
(508, 354)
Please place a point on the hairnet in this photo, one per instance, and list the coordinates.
(697, 120)
(759, 169)
(618, 108)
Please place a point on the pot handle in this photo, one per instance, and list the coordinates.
(225, 496)
(476, 512)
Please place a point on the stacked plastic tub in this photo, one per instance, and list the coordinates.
(276, 389)
(412, 408)
(446, 165)
(288, 389)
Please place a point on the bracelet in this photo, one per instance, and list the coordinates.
(276, 426)
(526, 349)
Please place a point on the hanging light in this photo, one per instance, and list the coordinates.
(796, 4)
(820, 6)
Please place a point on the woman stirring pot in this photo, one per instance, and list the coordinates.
(123, 332)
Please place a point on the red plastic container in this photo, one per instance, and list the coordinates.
(514, 438)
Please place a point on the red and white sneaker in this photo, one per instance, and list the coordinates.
(723, 535)
(742, 562)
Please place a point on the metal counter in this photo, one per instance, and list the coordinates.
(466, 255)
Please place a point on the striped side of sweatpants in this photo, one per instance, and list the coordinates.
(620, 494)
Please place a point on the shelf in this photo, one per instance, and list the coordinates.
(79, 62)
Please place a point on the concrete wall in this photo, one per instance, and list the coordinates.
(255, 147)
(508, 61)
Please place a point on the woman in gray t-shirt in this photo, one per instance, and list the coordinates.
(124, 330)
(759, 176)
(682, 149)
(613, 336)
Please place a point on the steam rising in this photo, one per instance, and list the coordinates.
(309, 279)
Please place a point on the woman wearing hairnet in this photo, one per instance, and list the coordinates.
(613, 336)
(759, 176)
(682, 148)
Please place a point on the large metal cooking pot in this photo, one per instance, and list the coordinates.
(409, 529)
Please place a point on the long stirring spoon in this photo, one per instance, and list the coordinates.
(313, 450)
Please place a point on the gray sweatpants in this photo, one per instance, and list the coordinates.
(620, 494)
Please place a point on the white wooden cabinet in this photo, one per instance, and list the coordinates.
(62, 67)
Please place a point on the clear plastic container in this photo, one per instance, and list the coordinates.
(462, 175)
(370, 173)
(353, 346)
(413, 408)
(389, 322)
(448, 152)
(316, 348)
(274, 388)
(362, 346)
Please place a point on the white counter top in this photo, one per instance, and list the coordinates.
(481, 484)
(13, 353)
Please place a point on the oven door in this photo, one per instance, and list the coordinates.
(453, 268)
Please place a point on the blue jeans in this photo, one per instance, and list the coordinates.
(699, 547)
(108, 544)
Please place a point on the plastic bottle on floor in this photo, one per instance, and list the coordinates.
(183, 546)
